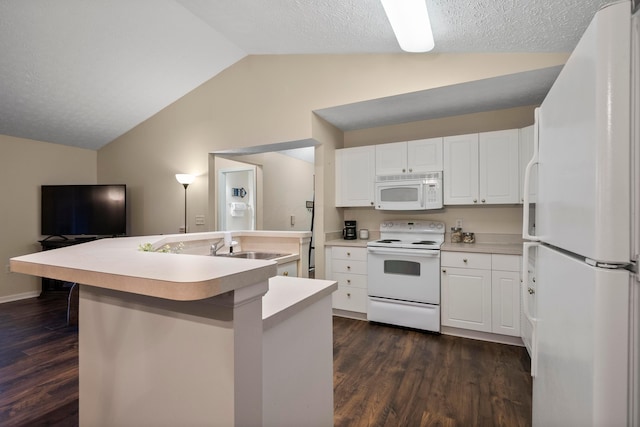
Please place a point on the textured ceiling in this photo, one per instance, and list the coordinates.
(83, 72)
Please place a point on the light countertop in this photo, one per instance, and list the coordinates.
(506, 247)
(357, 243)
(489, 248)
(290, 295)
(118, 264)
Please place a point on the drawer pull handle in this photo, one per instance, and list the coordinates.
(286, 273)
(348, 295)
(444, 271)
(348, 253)
(348, 267)
(349, 281)
(464, 260)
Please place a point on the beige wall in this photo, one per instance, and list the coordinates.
(269, 99)
(259, 100)
(25, 165)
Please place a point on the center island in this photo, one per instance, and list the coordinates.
(171, 335)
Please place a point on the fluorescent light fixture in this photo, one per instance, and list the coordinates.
(410, 22)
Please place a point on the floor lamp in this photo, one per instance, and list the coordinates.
(185, 179)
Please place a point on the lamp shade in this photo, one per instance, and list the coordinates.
(185, 178)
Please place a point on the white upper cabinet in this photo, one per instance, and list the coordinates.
(526, 153)
(391, 159)
(423, 155)
(499, 180)
(355, 176)
(481, 168)
(460, 180)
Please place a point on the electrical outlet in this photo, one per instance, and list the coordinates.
(459, 223)
(199, 219)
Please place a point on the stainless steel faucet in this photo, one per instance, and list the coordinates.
(216, 246)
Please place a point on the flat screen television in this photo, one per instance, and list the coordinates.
(76, 210)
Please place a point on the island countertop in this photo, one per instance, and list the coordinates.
(117, 264)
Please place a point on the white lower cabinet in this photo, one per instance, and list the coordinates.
(289, 269)
(348, 266)
(481, 292)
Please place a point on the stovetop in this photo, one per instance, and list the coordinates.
(409, 234)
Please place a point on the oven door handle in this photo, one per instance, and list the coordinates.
(400, 251)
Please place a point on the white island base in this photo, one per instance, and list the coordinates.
(154, 362)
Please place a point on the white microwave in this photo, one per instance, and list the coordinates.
(409, 192)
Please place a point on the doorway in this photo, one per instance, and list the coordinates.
(237, 199)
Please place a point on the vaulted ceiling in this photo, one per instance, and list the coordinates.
(83, 72)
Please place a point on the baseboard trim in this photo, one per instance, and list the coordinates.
(350, 314)
(17, 297)
(482, 336)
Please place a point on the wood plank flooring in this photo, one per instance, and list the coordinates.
(383, 376)
(386, 376)
(38, 363)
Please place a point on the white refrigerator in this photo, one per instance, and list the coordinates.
(585, 358)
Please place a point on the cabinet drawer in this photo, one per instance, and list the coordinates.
(348, 266)
(351, 299)
(351, 280)
(505, 262)
(343, 252)
(466, 260)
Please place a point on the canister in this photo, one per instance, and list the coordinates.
(456, 234)
(468, 238)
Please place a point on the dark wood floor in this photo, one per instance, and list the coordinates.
(383, 376)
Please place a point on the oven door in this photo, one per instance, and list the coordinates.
(404, 274)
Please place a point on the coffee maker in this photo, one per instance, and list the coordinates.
(349, 230)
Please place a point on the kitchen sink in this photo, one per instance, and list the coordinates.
(252, 255)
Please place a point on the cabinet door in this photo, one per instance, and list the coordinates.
(391, 159)
(526, 153)
(289, 269)
(460, 179)
(355, 176)
(498, 167)
(466, 298)
(505, 296)
(424, 155)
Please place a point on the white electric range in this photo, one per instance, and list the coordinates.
(404, 274)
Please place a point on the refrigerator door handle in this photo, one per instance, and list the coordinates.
(527, 178)
(527, 313)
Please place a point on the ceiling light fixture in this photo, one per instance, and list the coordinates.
(410, 22)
